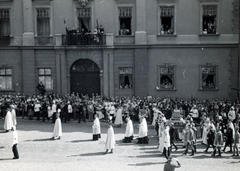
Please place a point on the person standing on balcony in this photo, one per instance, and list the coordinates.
(41, 88)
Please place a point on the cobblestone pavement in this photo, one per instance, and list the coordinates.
(77, 151)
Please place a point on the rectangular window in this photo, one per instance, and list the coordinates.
(125, 78)
(166, 80)
(208, 77)
(5, 79)
(4, 22)
(209, 19)
(43, 22)
(125, 20)
(167, 19)
(44, 76)
(84, 17)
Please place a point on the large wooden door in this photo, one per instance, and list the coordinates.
(85, 77)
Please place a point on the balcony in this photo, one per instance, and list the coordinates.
(84, 39)
(4, 40)
(43, 40)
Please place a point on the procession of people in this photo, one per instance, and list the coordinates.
(174, 119)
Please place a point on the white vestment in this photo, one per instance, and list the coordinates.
(96, 126)
(118, 117)
(161, 137)
(129, 129)
(143, 129)
(110, 141)
(166, 138)
(8, 123)
(57, 131)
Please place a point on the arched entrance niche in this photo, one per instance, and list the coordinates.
(85, 77)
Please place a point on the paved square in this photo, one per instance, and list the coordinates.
(77, 151)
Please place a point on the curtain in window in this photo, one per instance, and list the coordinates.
(4, 27)
(85, 23)
(43, 27)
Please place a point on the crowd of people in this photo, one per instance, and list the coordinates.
(217, 119)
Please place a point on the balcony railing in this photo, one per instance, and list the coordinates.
(84, 39)
(43, 40)
(4, 40)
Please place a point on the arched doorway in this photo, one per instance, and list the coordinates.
(85, 77)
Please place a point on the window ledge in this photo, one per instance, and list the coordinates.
(166, 35)
(209, 34)
(216, 89)
(124, 36)
(7, 90)
(166, 89)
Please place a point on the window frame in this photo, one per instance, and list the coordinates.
(90, 18)
(10, 19)
(166, 65)
(160, 21)
(6, 75)
(201, 77)
(132, 19)
(201, 18)
(50, 19)
(45, 75)
(119, 68)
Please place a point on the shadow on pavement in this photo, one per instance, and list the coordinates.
(88, 154)
(146, 164)
(3, 131)
(45, 139)
(234, 162)
(78, 141)
(7, 159)
(146, 156)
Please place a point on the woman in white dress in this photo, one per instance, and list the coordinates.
(8, 123)
(96, 128)
(57, 130)
(118, 116)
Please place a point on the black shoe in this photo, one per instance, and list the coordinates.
(15, 157)
(191, 154)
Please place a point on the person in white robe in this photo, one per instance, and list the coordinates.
(110, 140)
(143, 130)
(57, 130)
(206, 129)
(161, 133)
(155, 115)
(129, 131)
(231, 114)
(15, 142)
(96, 128)
(8, 123)
(166, 144)
(118, 116)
